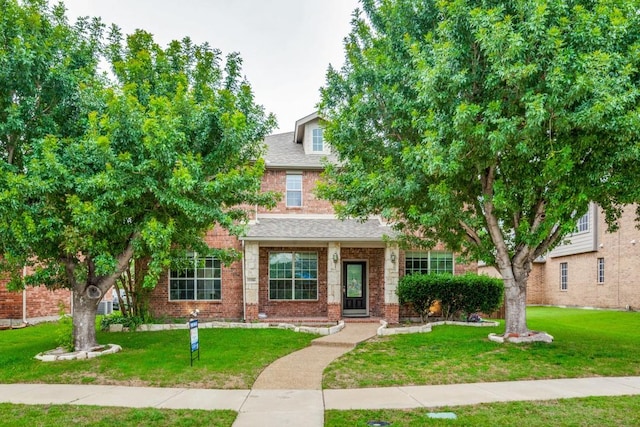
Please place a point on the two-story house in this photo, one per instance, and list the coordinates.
(592, 268)
(300, 263)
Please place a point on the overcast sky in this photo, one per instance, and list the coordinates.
(286, 45)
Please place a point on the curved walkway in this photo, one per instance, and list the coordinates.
(281, 397)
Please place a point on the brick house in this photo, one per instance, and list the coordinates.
(592, 268)
(300, 263)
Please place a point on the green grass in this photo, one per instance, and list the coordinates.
(587, 343)
(70, 415)
(592, 411)
(229, 358)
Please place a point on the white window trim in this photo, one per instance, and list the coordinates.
(564, 276)
(600, 271)
(286, 196)
(428, 256)
(194, 257)
(317, 133)
(293, 279)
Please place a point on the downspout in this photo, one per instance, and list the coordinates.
(24, 296)
(244, 284)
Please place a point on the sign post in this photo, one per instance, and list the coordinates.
(195, 345)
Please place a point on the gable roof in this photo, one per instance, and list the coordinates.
(283, 152)
(298, 134)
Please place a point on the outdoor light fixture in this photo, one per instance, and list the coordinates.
(335, 257)
(393, 257)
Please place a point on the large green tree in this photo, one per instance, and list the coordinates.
(167, 149)
(487, 125)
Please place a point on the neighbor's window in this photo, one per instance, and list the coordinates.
(294, 190)
(293, 275)
(583, 223)
(199, 280)
(600, 270)
(317, 141)
(428, 262)
(564, 275)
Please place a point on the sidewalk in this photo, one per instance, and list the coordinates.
(283, 396)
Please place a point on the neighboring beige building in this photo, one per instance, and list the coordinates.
(592, 268)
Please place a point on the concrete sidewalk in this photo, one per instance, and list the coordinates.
(288, 392)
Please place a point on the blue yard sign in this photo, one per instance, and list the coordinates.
(195, 345)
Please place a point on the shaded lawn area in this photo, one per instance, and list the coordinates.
(592, 411)
(229, 358)
(587, 343)
(71, 415)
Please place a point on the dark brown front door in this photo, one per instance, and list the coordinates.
(354, 282)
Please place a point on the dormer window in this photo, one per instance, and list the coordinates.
(317, 144)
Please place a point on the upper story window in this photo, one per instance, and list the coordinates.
(428, 262)
(294, 190)
(199, 280)
(583, 223)
(317, 143)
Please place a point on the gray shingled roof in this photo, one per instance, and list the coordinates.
(283, 152)
(325, 229)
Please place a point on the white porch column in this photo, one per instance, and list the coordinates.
(391, 277)
(251, 279)
(334, 282)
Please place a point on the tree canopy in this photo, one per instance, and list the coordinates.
(487, 125)
(156, 153)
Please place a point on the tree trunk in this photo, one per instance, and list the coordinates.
(84, 320)
(515, 289)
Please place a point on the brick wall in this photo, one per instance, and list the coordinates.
(276, 180)
(41, 302)
(230, 307)
(293, 309)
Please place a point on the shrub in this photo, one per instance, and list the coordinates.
(420, 290)
(458, 295)
(131, 322)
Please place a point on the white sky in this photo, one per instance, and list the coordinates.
(286, 45)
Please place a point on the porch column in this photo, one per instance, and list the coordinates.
(334, 287)
(391, 277)
(251, 280)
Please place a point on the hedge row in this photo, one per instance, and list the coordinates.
(458, 295)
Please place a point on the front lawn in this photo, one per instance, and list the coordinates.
(229, 358)
(592, 411)
(587, 343)
(71, 415)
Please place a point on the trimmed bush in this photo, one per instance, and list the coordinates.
(458, 295)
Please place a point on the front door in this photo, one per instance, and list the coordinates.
(354, 283)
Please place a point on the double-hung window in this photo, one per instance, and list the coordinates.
(198, 279)
(317, 143)
(583, 223)
(422, 262)
(293, 275)
(564, 276)
(600, 271)
(294, 190)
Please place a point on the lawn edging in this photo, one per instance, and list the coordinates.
(153, 327)
(383, 330)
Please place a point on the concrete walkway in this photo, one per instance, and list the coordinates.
(281, 397)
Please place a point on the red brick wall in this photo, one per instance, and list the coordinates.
(230, 307)
(41, 302)
(293, 309)
(276, 180)
(375, 275)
